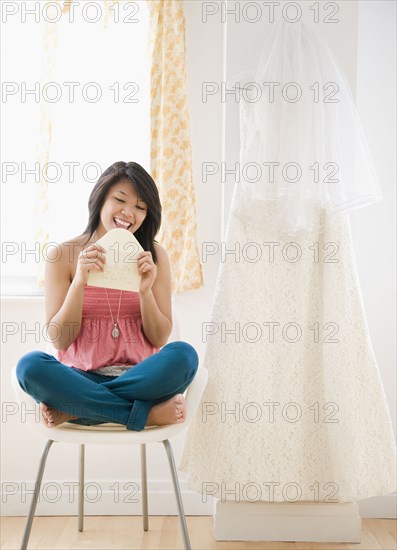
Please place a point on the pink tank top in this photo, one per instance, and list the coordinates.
(94, 346)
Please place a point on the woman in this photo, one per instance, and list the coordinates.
(110, 367)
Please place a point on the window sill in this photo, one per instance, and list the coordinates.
(20, 288)
(21, 298)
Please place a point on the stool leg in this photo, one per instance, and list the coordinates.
(81, 490)
(178, 496)
(33, 503)
(144, 489)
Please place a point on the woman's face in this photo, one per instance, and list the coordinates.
(122, 208)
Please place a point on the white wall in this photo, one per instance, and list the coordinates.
(374, 229)
(368, 25)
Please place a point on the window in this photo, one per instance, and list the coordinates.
(99, 99)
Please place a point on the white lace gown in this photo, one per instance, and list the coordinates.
(294, 409)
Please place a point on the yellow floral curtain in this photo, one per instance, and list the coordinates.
(171, 152)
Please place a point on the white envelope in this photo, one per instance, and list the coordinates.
(121, 266)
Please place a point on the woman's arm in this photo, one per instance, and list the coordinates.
(156, 306)
(63, 300)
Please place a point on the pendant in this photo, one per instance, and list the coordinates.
(115, 332)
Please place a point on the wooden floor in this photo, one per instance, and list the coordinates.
(123, 532)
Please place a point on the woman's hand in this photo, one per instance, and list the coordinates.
(147, 269)
(91, 258)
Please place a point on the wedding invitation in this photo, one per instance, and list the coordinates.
(121, 266)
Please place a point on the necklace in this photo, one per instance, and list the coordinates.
(115, 330)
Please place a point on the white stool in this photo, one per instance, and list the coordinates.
(115, 434)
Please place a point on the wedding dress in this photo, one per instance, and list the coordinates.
(294, 409)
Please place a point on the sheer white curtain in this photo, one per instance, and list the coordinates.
(109, 118)
(97, 98)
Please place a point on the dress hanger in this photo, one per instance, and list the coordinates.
(241, 78)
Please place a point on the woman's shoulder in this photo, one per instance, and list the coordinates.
(163, 279)
(161, 252)
(159, 249)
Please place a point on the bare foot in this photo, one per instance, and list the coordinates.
(172, 411)
(53, 417)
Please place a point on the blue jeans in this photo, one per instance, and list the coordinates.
(96, 398)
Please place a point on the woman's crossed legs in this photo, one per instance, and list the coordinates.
(149, 393)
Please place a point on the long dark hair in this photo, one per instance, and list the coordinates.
(146, 190)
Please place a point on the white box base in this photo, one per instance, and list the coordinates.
(286, 521)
